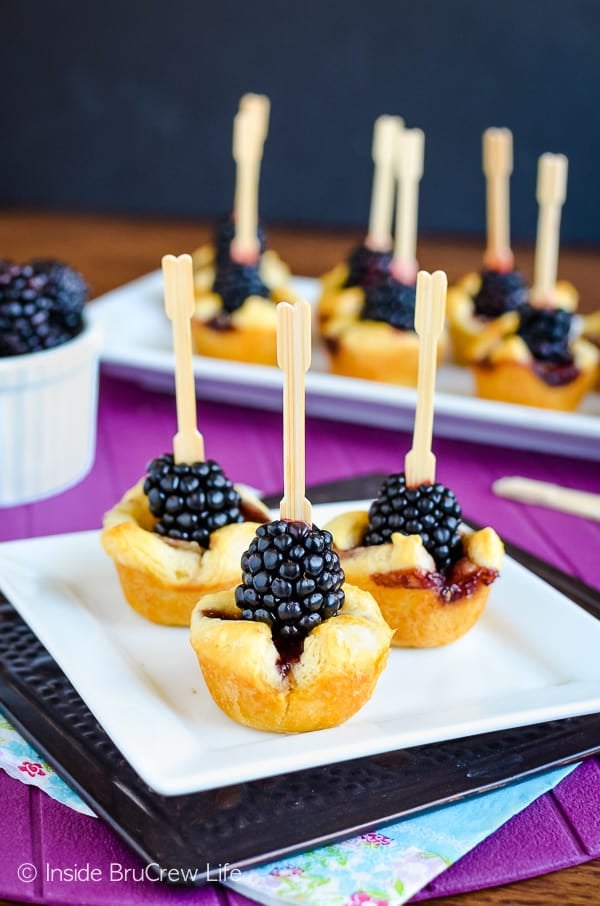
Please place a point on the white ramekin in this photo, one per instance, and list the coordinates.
(48, 412)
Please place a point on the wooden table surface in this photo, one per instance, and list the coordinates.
(111, 251)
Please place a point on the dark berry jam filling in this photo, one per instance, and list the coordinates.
(235, 281)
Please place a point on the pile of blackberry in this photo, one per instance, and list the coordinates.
(546, 332)
(41, 305)
(190, 501)
(367, 267)
(429, 510)
(500, 292)
(291, 579)
(225, 232)
(392, 302)
(234, 282)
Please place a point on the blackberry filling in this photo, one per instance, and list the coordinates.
(235, 281)
(224, 233)
(429, 510)
(392, 302)
(367, 267)
(292, 581)
(41, 306)
(190, 501)
(500, 292)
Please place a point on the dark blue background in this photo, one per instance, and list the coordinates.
(127, 107)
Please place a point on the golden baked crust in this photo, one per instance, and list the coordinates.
(333, 678)
(471, 337)
(249, 334)
(424, 608)
(508, 375)
(162, 580)
(590, 330)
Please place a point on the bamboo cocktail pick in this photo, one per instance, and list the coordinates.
(497, 166)
(385, 136)
(410, 149)
(293, 357)
(260, 105)
(188, 443)
(543, 493)
(551, 194)
(419, 463)
(247, 153)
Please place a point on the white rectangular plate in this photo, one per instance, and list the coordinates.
(533, 656)
(138, 346)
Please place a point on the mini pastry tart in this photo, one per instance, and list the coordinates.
(162, 579)
(590, 331)
(472, 336)
(247, 334)
(294, 691)
(511, 374)
(373, 350)
(334, 292)
(424, 607)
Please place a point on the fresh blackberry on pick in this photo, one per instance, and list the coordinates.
(546, 332)
(225, 232)
(235, 282)
(190, 501)
(500, 292)
(366, 267)
(291, 579)
(392, 302)
(429, 510)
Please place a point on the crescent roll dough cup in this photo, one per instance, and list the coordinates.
(334, 676)
(508, 374)
(424, 608)
(162, 580)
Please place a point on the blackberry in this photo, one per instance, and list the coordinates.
(367, 267)
(291, 579)
(234, 282)
(546, 332)
(225, 232)
(500, 292)
(392, 302)
(28, 313)
(68, 290)
(190, 501)
(429, 510)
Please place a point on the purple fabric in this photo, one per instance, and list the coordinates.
(563, 828)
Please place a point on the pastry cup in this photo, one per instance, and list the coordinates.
(334, 676)
(162, 580)
(250, 333)
(334, 293)
(373, 350)
(591, 332)
(424, 608)
(508, 374)
(471, 337)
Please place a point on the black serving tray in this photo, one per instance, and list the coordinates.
(262, 820)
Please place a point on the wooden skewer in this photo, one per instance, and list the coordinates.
(551, 194)
(188, 443)
(293, 357)
(260, 105)
(247, 153)
(419, 463)
(497, 166)
(527, 490)
(385, 135)
(409, 163)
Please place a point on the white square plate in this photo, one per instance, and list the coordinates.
(138, 347)
(533, 656)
